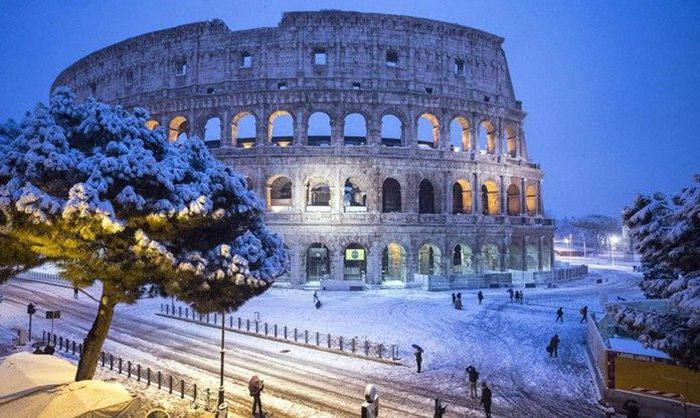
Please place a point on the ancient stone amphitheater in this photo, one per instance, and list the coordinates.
(389, 149)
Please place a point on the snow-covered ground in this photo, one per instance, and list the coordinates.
(505, 341)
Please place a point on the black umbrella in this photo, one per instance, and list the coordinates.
(417, 347)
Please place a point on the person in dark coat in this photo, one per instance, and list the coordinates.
(510, 292)
(473, 379)
(75, 293)
(458, 303)
(419, 360)
(631, 408)
(486, 399)
(439, 409)
(517, 296)
(316, 299)
(480, 296)
(454, 298)
(255, 387)
(553, 346)
(584, 314)
(560, 315)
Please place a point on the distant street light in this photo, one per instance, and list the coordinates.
(567, 241)
(612, 240)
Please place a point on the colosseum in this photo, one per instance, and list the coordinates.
(389, 150)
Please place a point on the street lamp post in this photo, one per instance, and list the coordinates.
(222, 408)
(612, 240)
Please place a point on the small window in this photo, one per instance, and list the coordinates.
(392, 59)
(356, 86)
(429, 90)
(93, 89)
(459, 66)
(181, 69)
(246, 60)
(487, 99)
(282, 86)
(320, 57)
(210, 90)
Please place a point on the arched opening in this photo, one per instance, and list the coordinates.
(318, 262)
(391, 196)
(355, 263)
(515, 258)
(355, 130)
(429, 258)
(319, 131)
(546, 254)
(392, 131)
(212, 131)
(243, 130)
(428, 131)
(462, 197)
(281, 128)
(280, 190)
(319, 194)
(488, 136)
(513, 201)
(512, 142)
(531, 200)
(491, 257)
(460, 135)
(178, 128)
(426, 197)
(490, 201)
(353, 196)
(393, 263)
(531, 256)
(462, 259)
(152, 124)
(251, 186)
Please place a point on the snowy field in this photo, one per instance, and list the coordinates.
(505, 341)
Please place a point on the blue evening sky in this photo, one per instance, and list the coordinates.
(611, 88)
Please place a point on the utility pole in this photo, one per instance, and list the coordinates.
(222, 408)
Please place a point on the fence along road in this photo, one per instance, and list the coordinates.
(303, 381)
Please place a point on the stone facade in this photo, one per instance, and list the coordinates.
(450, 192)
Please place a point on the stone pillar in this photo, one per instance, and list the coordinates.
(298, 267)
(503, 199)
(300, 128)
(298, 193)
(374, 132)
(539, 253)
(374, 262)
(501, 139)
(337, 263)
(503, 252)
(409, 134)
(523, 253)
(263, 131)
(551, 253)
(337, 134)
(476, 198)
(474, 135)
(540, 204)
(523, 202)
(449, 204)
(226, 129)
(444, 143)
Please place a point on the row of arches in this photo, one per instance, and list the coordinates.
(318, 193)
(461, 135)
(394, 264)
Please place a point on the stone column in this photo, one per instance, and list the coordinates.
(540, 204)
(337, 263)
(474, 135)
(373, 264)
(503, 197)
(539, 253)
(298, 193)
(449, 204)
(263, 131)
(337, 134)
(523, 253)
(374, 132)
(551, 253)
(226, 129)
(300, 128)
(298, 268)
(523, 202)
(476, 200)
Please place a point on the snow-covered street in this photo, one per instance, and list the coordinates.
(505, 341)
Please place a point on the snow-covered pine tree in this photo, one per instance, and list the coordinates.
(89, 187)
(667, 237)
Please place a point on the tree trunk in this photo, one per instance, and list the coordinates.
(92, 346)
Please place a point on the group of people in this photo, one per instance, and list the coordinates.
(517, 295)
(473, 377)
(457, 299)
(583, 311)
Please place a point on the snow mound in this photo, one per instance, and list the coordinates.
(42, 386)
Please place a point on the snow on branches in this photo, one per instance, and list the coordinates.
(120, 193)
(667, 236)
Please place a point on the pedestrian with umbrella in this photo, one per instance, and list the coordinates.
(255, 387)
(419, 356)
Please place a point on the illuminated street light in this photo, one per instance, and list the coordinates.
(612, 240)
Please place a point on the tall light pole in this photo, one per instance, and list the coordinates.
(567, 241)
(222, 408)
(612, 240)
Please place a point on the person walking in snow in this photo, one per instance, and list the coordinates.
(473, 379)
(75, 293)
(316, 299)
(631, 408)
(553, 346)
(454, 298)
(458, 304)
(560, 315)
(419, 360)
(584, 315)
(255, 387)
(486, 399)
(439, 409)
(510, 292)
(480, 296)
